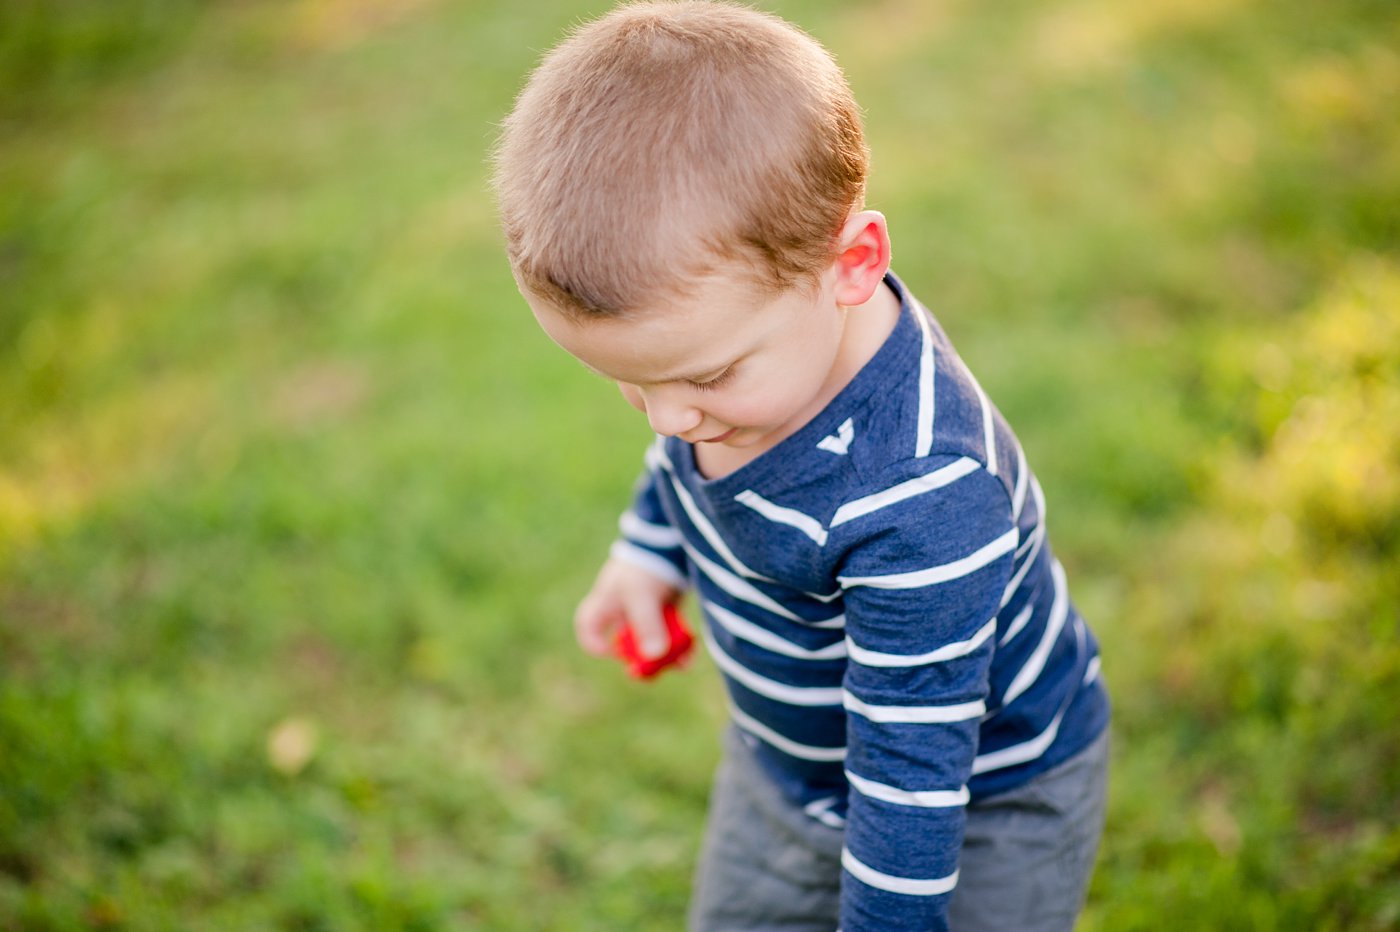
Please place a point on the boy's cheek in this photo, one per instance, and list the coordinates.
(774, 403)
(633, 396)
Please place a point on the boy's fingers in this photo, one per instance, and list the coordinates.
(644, 617)
(594, 627)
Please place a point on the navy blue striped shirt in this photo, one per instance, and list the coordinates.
(881, 598)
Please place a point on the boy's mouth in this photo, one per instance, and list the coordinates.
(720, 438)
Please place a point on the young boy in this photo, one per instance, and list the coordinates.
(918, 724)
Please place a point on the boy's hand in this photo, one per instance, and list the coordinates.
(624, 594)
(679, 636)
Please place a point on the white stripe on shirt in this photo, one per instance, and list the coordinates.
(913, 714)
(1035, 540)
(1030, 539)
(952, 651)
(1036, 662)
(656, 455)
(1091, 672)
(924, 799)
(746, 630)
(823, 596)
(772, 689)
(1019, 753)
(707, 530)
(660, 536)
(785, 744)
(1030, 750)
(820, 809)
(789, 516)
(1018, 497)
(906, 885)
(739, 588)
(924, 437)
(1018, 623)
(989, 434)
(908, 489)
(745, 591)
(660, 567)
(938, 574)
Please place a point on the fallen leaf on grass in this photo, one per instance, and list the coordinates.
(291, 745)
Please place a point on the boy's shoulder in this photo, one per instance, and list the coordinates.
(936, 413)
(913, 421)
(916, 410)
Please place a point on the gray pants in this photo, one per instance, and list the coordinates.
(1026, 858)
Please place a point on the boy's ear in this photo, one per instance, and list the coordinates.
(862, 257)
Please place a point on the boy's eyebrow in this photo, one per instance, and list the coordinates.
(703, 375)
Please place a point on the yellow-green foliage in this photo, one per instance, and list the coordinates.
(1274, 611)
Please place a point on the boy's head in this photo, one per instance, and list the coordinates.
(668, 140)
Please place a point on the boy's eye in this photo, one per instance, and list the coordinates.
(716, 382)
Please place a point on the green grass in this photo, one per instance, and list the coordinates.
(281, 453)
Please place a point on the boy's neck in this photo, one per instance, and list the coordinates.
(867, 327)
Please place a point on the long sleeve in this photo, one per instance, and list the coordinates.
(647, 538)
(923, 582)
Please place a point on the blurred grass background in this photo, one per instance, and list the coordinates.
(295, 502)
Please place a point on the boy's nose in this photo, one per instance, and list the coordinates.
(670, 419)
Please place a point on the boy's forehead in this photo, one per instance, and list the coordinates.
(686, 337)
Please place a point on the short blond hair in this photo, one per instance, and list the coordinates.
(665, 138)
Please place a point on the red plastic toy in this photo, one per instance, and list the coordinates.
(643, 668)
